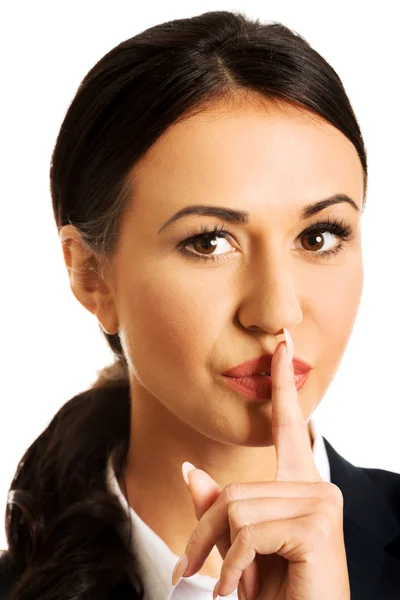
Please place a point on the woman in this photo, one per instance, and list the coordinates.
(208, 183)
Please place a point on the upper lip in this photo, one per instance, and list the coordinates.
(262, 364)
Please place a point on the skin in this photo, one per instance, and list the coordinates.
(183, 322)
(280, 540)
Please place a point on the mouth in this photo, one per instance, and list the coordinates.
(259, 387)
(261, 365)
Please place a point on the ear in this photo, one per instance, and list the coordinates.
(87, 280)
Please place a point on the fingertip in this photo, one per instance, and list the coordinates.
(186, 467)
(289, 345)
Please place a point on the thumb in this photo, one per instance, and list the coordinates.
(203, 488)
(204, 491)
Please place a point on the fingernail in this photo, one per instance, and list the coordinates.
(180, 568)
(216, 590)
(289, 345)
(186, 467)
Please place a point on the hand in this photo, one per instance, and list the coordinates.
(282, 539)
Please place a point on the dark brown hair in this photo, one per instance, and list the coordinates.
(61, 520)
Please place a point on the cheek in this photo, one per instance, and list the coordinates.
(334, 315)
(342, 301)
(330, 313)
(170, 322)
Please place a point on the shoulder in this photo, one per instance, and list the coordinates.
(388, 483)
(371, 519)
(382, 487)
(7, 576)
(355, 481)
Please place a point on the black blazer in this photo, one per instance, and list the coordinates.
(371, 525)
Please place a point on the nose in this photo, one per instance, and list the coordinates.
(270, 300)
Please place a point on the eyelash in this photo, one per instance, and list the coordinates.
(340, 229)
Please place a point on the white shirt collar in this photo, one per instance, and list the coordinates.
(155, 559)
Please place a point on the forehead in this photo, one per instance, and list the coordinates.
(281, 151)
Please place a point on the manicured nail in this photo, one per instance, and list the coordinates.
(186, 467)
(216, 590)
(180, 568)
(289, 345)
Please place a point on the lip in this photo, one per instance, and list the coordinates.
(259, 387)
(262, 364)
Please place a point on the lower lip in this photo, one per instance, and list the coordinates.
(259, 387)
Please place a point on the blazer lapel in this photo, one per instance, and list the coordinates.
(369, 527)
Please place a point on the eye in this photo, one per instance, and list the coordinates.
(316, 241)
(319, 235)
(205, 241)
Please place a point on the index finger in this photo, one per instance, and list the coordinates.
(295, 460)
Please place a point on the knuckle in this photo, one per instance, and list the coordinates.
(320, 488)
(329, 491)
(245, 535)
(320, 505)
(235, 513)
(231, 492)
(335, 494)
(322, 525)
(194, 541)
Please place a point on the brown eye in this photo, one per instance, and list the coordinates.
(204, 245)
(313, 241)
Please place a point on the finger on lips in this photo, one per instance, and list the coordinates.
(295, 460)
(250, 518)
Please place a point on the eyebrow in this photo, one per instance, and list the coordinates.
(241, 217)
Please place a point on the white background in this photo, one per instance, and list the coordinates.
(51, 345)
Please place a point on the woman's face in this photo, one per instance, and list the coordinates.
(182, 321)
